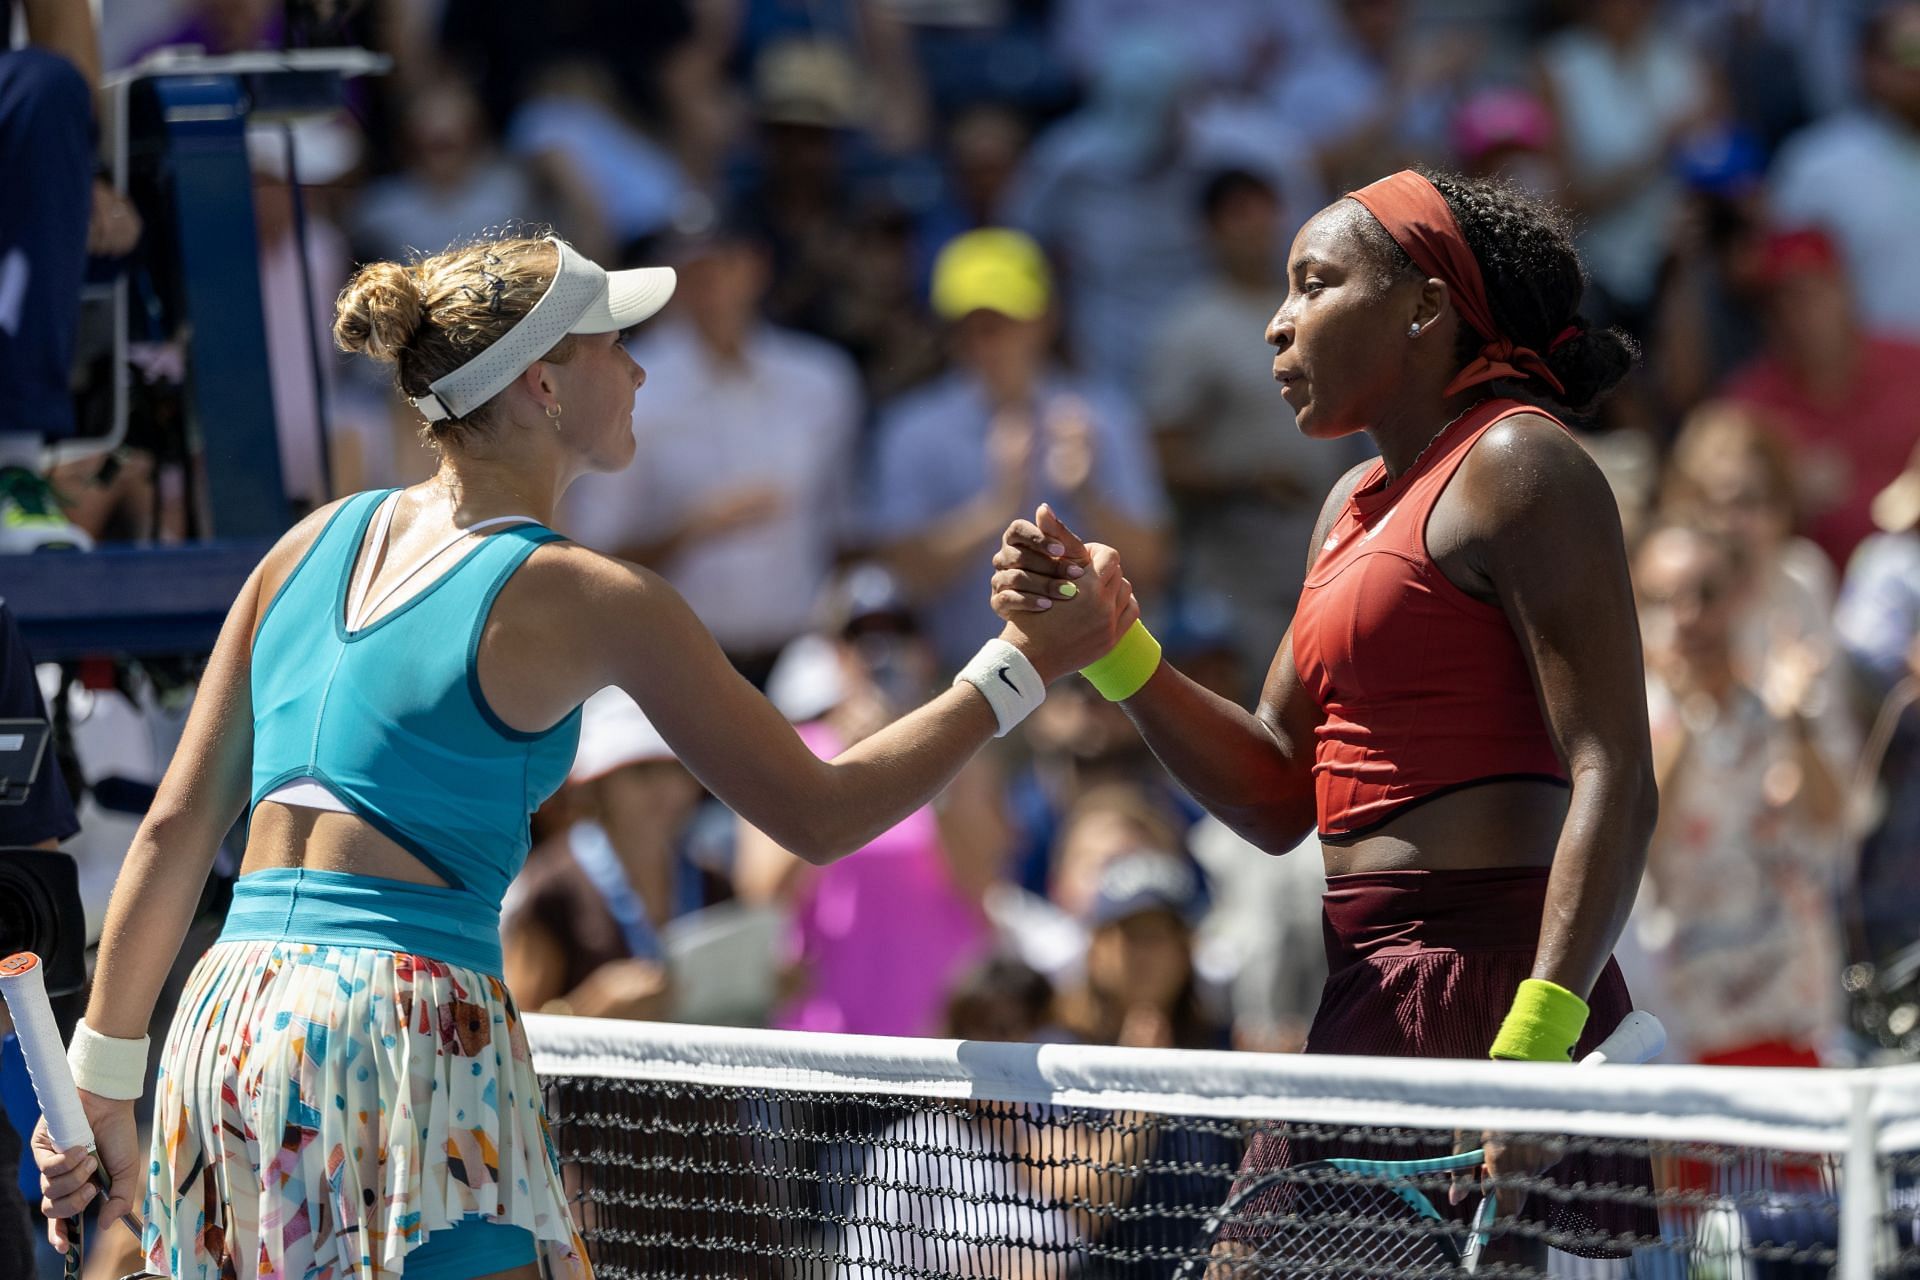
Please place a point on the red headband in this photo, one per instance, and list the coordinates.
(1416, 215)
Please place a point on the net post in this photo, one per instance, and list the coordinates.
(1861, 1194)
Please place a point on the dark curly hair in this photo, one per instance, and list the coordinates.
(1534, 283)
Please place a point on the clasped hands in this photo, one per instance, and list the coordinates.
(1066, 603)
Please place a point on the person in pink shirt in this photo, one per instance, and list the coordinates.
(875, 941)
(1841, 396)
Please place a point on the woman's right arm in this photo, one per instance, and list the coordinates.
(1253, 770)
(627, 626)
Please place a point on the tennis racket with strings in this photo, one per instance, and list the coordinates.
(25, 991)
(1355, 1217)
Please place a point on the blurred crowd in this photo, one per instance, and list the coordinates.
(943, 259)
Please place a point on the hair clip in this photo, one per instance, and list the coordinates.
(496, 289)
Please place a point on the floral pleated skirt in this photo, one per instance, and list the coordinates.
(322, 1110)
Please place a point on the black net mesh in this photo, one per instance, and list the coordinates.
(1900, 1224)
(745, 1183)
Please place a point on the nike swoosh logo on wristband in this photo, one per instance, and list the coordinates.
(1007, 680)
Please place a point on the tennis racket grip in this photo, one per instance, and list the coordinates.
(1639, 1038)
(25, 989)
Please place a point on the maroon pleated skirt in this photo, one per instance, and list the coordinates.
(1424, 964)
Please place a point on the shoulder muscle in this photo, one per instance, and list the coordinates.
(584, 612)
(1528, 474)
(1532, 514)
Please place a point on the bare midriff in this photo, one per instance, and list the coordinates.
(1515, 823)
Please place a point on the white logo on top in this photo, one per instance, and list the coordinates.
(1333, 539)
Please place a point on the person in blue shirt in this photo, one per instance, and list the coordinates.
(53, 214)
(1006, 428)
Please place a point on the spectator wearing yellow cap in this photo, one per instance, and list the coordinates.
(1004, 429)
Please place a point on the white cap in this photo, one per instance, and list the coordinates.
(614, 733)
(583, 298)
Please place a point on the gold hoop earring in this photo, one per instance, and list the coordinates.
(553, 411)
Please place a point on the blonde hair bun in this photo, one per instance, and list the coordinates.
(380, 311)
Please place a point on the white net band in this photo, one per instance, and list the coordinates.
(1780, 1109)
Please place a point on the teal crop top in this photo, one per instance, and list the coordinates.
(390, 718)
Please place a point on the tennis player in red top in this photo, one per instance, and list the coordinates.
(1459, 705)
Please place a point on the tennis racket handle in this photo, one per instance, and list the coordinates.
(25, 989)
(1638, 1038)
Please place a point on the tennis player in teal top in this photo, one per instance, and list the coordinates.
(346, 1089)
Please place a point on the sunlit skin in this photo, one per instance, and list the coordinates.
(593, 390)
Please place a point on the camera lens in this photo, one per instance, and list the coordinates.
(40, 911)
(25, 913)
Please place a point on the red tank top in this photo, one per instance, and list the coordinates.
(1425, 688)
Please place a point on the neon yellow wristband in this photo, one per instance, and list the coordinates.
(1543, 1026)
(1128, 665)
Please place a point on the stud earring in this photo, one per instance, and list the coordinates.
(1413, 330)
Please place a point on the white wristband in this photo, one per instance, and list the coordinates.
(1007, 681)
(106, 1067)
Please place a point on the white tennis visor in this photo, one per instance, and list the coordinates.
(583, 298)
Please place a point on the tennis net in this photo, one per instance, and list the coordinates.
(694, 1152)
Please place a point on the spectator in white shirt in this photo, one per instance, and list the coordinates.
(1858, 175)
(737, 491)
(1736, 916)
(1624, 89)
(973, 1190)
